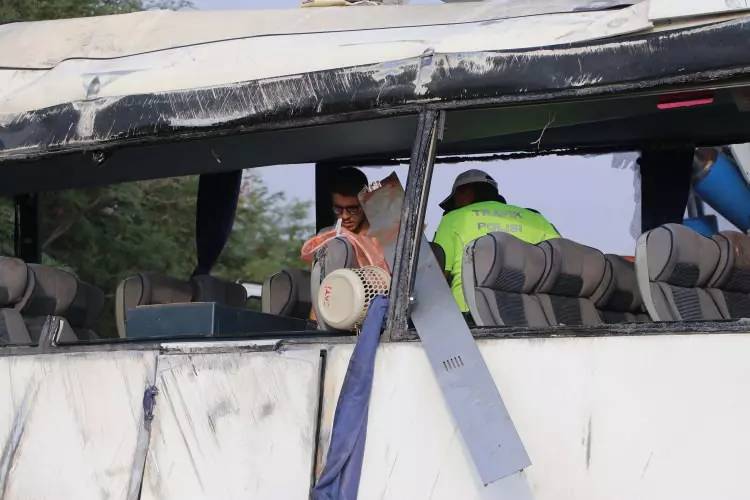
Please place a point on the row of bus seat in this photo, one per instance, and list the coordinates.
(30, 293)
(557, 282)
(148, 289)
(685, 276)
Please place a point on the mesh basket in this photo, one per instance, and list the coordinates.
(345, 295)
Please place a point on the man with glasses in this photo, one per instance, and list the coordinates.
(345, 186)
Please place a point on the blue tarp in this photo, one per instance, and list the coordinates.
(340, 478)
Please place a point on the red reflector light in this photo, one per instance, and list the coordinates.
(675, 101)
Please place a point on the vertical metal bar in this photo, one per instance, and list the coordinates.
(410, 230)
(27, 244)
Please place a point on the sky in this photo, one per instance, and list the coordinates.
(591, 200)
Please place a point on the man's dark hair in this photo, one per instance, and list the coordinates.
(486, 192)
(348, 181)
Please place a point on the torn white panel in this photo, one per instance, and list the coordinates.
(25, 44)
(238, 425)
(231, 61)
(661, 10)
(70, 424)
(616, 418)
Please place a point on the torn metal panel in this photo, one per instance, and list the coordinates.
(234, 425)
(71, 424)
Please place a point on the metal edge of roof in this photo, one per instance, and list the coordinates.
(703, 54)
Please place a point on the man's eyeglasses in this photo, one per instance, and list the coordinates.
(351, 210)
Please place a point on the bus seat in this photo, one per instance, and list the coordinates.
(287, 293)
(13, 283)
(617, 298)
(730, 284)
(148, 289)
(337, 253)
(500, 273)
(85, 310)
(50, 292)
(674, 266)
(573, 272)
(207, 288)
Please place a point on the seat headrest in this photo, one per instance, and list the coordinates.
(679, 256)
(733, 271)
(209, 289)
(572, 269)
(335, 254)
(287, 293)
(619, 293)
(86, 306)
(52, 293)
(153, 288)
(13, 280)
(503, 262)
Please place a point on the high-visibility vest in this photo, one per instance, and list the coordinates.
(461, 226)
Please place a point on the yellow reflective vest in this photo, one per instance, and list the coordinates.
(461, 226)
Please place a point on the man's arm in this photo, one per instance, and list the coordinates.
(445, 237)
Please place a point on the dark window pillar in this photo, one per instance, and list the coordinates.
(665, 185)
(26, 235)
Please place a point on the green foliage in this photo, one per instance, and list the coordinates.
(106, 234)
(35, 10)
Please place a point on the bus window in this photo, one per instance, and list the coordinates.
(105, 235)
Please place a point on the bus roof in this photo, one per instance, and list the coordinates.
(126, 86)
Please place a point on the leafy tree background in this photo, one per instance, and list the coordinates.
(105, 234)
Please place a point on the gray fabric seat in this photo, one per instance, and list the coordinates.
(499, 275)
(674, 266)
(730, 284)
(207, 288)
(337, 253)
(50, 292)
(573, 273)
(13, 284)
(148, 289)
(156, 289)
(85, 310)
(287, 293)
(617, 299)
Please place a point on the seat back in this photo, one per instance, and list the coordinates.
(85, 310)
(674, 266)
(730, 284)
(337, 253)
(573, 272)
(618, 298)
(148, 289)
(207, 288)
(499, 275)
(50, 292)
(287, 293)
(13, 284)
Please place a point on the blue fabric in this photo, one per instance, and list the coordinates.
(214, 217)
(340, 478)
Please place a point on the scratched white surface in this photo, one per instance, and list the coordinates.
(69, 424)
(616, 418)
(96, 83)
(238, 425)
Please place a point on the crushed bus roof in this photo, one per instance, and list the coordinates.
(154, 79)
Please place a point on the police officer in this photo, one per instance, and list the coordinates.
(475, 208)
